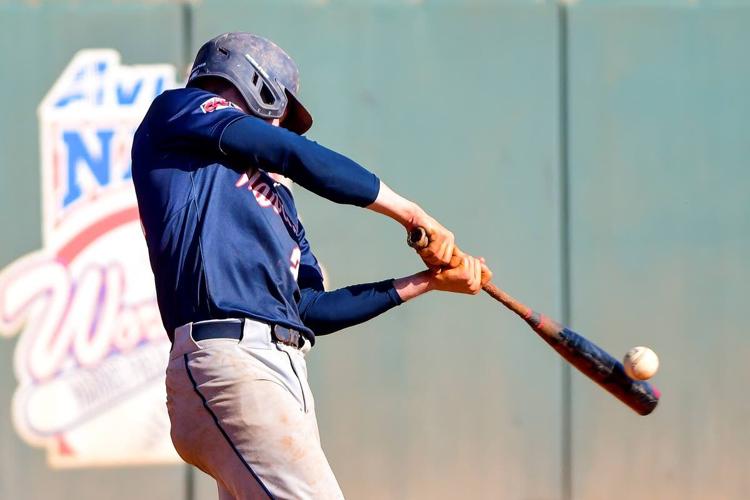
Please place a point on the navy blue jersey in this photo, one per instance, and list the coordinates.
(224, 238)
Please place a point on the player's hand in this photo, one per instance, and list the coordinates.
(468, 276)
(440, 250)
(486, 273)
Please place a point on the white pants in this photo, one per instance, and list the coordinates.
(242, 412)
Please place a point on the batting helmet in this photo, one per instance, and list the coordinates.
(264, 74)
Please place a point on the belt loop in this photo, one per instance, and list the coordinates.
(256, 334)
(183, 342)
(306, 346)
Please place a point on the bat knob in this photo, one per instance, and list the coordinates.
(417, 238)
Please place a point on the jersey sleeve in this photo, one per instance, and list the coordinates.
(314, 167)
(328, 312)
(191, 118)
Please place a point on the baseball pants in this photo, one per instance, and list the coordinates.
(242, 412)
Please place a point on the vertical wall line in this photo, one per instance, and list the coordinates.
(187, 27)
(186, 18)
(566, 420)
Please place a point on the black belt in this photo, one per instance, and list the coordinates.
(233, 330)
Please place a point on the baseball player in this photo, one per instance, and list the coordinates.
(239, 290)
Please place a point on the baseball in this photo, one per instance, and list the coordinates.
(640, 363)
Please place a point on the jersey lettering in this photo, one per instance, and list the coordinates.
(295, 261)
(265, 195)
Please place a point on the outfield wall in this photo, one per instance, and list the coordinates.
(594, 153)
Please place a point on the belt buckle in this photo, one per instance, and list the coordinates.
(287, 336)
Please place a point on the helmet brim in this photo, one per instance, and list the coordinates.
(297, 119)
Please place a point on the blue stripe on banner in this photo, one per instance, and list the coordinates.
(223, 433)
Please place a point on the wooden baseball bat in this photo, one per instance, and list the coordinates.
(590, 359)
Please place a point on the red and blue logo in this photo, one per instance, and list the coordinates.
(91, 348)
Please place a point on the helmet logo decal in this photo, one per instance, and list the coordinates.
(257, 66)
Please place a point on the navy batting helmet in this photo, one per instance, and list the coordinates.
(264, 74)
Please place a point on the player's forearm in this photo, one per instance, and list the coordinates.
(413, 286)
(395, 206)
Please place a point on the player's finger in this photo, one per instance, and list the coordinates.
(471, 272)
(478, 274)
(440, 254)
(486, 274)
(449, 247)
(425, 254)
(429, 254)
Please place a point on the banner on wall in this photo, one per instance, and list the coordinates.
(91, 350)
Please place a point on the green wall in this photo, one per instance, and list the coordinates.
(660, 231)
(593, 153)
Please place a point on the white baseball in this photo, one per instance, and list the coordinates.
(641, 363)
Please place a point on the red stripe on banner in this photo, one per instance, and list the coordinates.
(63, 448)
(94, 231)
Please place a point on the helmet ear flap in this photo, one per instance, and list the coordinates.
(262, 90)
(267, 95)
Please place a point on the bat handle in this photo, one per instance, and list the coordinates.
(417, 238)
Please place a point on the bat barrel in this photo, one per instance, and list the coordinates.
(596, 363)
(605, 370)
